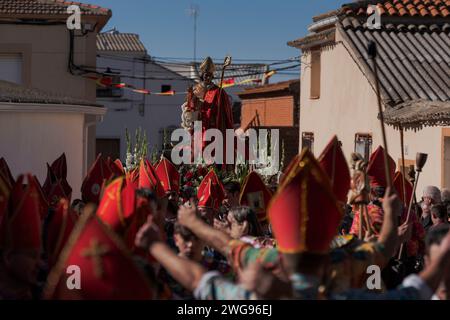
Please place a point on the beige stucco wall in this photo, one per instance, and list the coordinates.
(348, 105)
(29, 140)
(45, 52)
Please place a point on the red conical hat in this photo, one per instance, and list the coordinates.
(116, 167)
(59, 228)
(91, 187)
(108, 271)
(168, 175)
(56, 188)
(398, 185)
(335, 165)
(210, 191)
(59, 167)
(376, 168)
(117, 205)
(22, 229)
(149, 180)
(6, 173)
(255, 194)
(304, 213)
(43, 203)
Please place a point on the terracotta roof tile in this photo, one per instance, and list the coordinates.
(404, 8)
(46, 7)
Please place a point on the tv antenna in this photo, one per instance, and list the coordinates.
(194, 12)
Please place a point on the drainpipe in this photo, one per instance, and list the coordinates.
(87, 125)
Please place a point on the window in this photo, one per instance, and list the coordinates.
(11, 67)
(166, 88)
(308, 141)
(315, 74)
(110, 91)
(363, 144)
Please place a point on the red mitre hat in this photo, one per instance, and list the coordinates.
(304, 213)
(168, 175)
(376, 169)
(43, 203)
(56, 188)
(335, 165)
(148, 179)
(108, 271)
(398, 185)
(289, 168)
(116, 167)
(210, 191)
(59, 228)
(6, 173)
(117, 205)
(22, 229)
(91, 187)
(255, 195)
(59, 167)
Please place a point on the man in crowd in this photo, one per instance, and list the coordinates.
(431, 195)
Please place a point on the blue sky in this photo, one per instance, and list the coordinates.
(257, 29)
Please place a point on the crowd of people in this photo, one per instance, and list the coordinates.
(159, 231)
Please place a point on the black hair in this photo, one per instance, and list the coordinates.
(242, 214)
(147, 194)
(184, 232)
(440, 211)
(435, 235)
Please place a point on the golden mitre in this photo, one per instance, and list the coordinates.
(207, 66)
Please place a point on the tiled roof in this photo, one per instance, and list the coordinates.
(401, 8)
(48, 7)
(14, 93)
(414, 62)
(416, 114)
(281, 87)
(123, 42)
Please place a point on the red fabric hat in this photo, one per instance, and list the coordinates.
(255, 194)
(335, 165)
(117, 205)
(210, 192)
(168, 175)
(56, 188)
(43, 203)
(304, 213)
(59, 228)
(148, 179)
(116, 167)
(22, 229)
(91, 187)
(108, 271)
(6, 173)
(376, 169)
(59, 167)
(398, 185)
(289, 168)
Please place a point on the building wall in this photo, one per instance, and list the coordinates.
(45, 51)
(29, 140)
(348, 105)
(159, 111)
(276, 111)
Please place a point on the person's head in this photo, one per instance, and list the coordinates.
(431, 195)
(232, 192)
(445, 196)
(206, 214)
(432, 242)
(243, 222)
(189, 246)
(378, 192)
(22, 265)
(438, 213)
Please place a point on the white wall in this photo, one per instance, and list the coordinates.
(160, 111)
(29, 140)
(348, 105)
